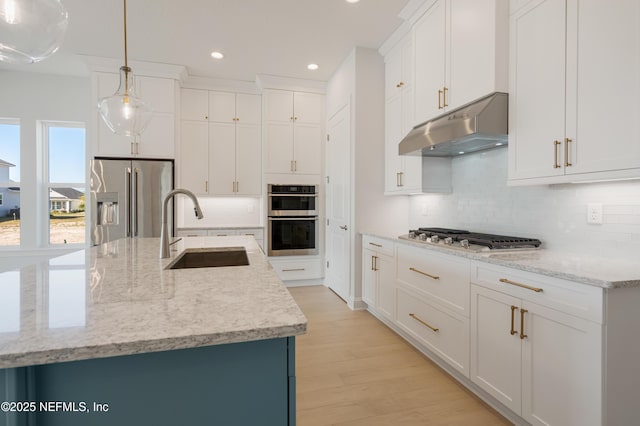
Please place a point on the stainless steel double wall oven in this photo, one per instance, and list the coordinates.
(292, 213)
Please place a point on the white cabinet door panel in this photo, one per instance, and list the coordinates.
(194, 156)
(307, 148)
(307, 108)
(222, 107)
(279, 147)
(222, 154)
(248, 109)
(561, 362)
(248, 160)
(496, 354)
(194, 104)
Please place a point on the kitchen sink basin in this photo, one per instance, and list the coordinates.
(211, 258)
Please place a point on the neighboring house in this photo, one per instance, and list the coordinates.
(65, 199)
(9, 196)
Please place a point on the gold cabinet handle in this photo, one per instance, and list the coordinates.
(291, 165)
(293, 270)
(567, 141)
(555, 154)
(522, 335)
(415, 317)
(206, 186)
(401, 174)
(513, 309)
(444, 97)
(376, 245)
(374, 263)
(435, 277)
(506, 281)
(439, 101)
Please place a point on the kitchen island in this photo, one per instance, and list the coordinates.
(109, 335)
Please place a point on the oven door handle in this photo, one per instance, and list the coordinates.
(301, 195)
(294, 218)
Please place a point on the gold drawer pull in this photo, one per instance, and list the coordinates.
(293, 270)
(435, 277)
(567, 141)
(555, 154)
(506, 281)
(415, 317)
(377, 245)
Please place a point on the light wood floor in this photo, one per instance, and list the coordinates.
(353, 370)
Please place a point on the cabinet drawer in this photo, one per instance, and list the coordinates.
(192, 232)
(256, 233)
(573, 298)
(380, 245)
(442, 277)
(289, 270)
(419, 318)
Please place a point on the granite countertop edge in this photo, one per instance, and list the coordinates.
(540, 268)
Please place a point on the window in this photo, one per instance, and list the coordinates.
(9, 182)
(65, 182)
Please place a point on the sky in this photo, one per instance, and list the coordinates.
(66, 152)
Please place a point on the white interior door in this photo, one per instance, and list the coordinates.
(339, 230)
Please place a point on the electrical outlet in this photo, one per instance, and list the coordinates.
(594, 213)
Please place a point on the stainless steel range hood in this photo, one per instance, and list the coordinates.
(479, 125)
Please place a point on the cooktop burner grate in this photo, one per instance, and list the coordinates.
(488, 240)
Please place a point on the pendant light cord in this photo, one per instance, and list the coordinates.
(126, 63)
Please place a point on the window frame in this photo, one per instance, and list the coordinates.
(45, 185)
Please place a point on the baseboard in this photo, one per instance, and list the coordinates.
(303, 283)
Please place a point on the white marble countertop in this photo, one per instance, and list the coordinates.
(118, 299)
(596, 271)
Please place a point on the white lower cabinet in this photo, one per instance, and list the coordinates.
(378, 276)
(297, 268)
(543, 364)
(257, 233)
(543, 350)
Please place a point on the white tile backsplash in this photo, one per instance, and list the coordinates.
(556, 214)
(220, 212)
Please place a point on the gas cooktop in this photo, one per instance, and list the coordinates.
(470, 241)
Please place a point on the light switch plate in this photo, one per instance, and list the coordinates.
(594, 213)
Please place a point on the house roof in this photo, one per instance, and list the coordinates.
(70, 193)
(6, 163)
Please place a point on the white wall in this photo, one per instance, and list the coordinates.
(556, 214)
(31, 97)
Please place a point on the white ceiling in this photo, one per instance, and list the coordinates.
(278, 37)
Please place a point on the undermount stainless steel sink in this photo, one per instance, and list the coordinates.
(211, 258)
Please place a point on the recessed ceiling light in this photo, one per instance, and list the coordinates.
(217, 55)
(353, 1)
(313, 67)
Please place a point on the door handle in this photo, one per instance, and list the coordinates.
(513, 309)
(567, 141)
(522, 335)
(135, 202)
(343, 227)
(127, 196)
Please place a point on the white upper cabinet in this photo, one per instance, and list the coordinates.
(292, 130)
(403, 174)
(158, 139)
(460, 54)
(221, 146)
(575, 96)
(194, 105)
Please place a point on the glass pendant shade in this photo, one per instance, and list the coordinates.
(124, 112)
(31, 30)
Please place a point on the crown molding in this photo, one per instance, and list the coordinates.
(149, 69)
(267, 81)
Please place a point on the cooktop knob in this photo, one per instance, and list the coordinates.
(422, 237)
(435, 238)
(412, 234)
(448, 241)
(464, 244)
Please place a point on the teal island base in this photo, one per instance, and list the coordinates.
(241, 384)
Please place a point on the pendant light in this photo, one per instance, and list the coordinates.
(124, 112)
(31, 30)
